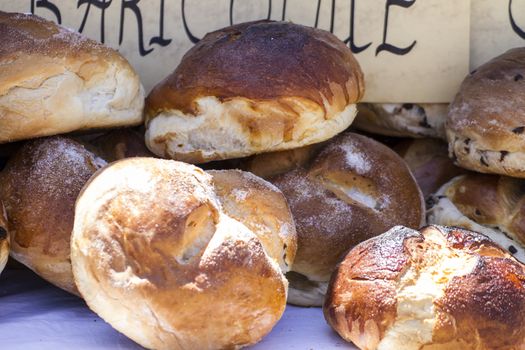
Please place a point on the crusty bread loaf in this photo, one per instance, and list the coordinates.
(252, 88)
(349, 190)
(4, 238)
(176, 258)
(491, 204)
(402, 120)
(39, 187)
(54, 80)
(439, 288)
(486, 121)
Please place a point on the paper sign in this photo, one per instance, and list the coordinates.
(497, 25)
(410, 50)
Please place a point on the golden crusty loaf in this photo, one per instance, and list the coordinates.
(352, 189)
(486, 121)
(252, 88)
(491, 204)
(53, 80)
(169, 256)
(4, 238)
(403, 120)
(429, 162)
(39, 187)
(439, 288)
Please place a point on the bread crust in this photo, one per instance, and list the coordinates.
(251, 88)
(350, 190)
(260, 61)
(155, 254)
(39, 187)
(429, 162)
(369, 297)
(120, 144)
(491, 204)
(4, 238)
(54, 80)
(487, 116)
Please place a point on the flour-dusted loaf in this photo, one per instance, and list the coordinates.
(177, 258)
(486, 121)
(39, 187)
(252, 88)
(438, 288)
(54, 80)
(341, 194)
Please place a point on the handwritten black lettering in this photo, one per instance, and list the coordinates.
(102, 5)
(160, 39)
(133, 7)
(332, 17)
(49, 6)
(284, 10)
(189, 34)
(317, 13)
(513, 23)
(231, 11)
(389, 47)
(350, 40)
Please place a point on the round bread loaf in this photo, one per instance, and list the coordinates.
(440, 288)
(4, 238)
(252, 88)
(176, 258)
(491, 204)
(403, 120)
(39, 187)
(353, 189)
(429, 162)
(486, 121)
(53, 80)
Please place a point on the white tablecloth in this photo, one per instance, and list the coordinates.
(37, 316)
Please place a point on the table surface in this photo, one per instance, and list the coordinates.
(36, 315)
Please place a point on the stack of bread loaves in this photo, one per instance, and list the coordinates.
(178, 257)
(486, 134)
(447, 288)
(158, 248)
(280, 92)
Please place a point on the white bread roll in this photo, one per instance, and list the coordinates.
(54, 80)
